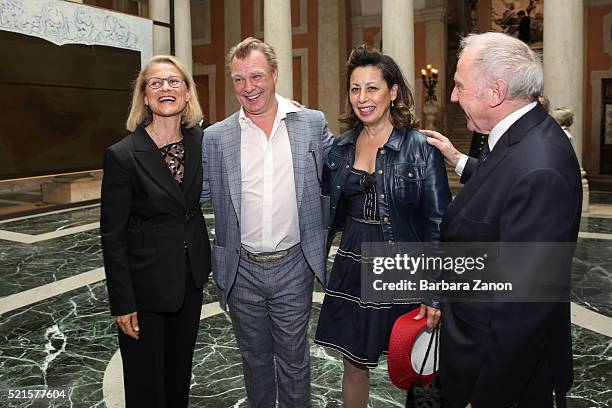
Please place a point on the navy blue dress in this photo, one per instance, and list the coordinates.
(359, 330)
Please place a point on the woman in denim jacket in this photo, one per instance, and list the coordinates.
(385, 184)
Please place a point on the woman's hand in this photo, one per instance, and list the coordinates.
(433, 316)
(129, 324)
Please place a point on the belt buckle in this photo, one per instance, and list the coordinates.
(267, 257)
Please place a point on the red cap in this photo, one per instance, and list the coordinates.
(407, 348)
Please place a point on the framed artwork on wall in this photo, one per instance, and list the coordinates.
(523, 19)
(605, 146)
(608, 124)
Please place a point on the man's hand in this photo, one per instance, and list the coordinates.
(441, 142)
(433, 316)
(129, 324)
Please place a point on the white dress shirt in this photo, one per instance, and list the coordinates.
(269, 214)
(497, 132)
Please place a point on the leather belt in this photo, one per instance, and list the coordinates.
(264, 257)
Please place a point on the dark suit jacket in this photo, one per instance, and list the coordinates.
(528, 190)
(149, 223)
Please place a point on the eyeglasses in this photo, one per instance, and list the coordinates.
(156, 83)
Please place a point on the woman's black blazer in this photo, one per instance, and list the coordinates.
(150, 225)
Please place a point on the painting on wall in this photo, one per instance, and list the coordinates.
(608, 125)
(523, 19)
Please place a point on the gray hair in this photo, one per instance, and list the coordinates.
(500, 56)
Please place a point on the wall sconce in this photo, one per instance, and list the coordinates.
(429, 75)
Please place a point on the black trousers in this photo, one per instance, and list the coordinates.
(157, 366)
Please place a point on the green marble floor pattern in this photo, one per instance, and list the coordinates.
(67, 341)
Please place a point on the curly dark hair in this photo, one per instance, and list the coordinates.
(363, 56)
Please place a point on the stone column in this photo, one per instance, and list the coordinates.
(233, 35)
(435, 48)
(159, 10)
(398, 35)
(564, 63)
(331, 50)
(277, 33)
(564, 60)
(182, 32)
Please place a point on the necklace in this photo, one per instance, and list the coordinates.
(380, 137)
(160, 142)
(367, 140)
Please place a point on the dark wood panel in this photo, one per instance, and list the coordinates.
(60, 106)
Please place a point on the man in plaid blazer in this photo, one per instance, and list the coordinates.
(262, 169)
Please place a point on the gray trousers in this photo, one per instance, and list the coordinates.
(270, 305)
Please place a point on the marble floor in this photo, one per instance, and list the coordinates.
(56, 331)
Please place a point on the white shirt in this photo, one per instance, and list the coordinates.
(269, 214)
(497, 132)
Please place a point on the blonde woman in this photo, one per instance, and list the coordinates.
(154, 238)
(565, 118)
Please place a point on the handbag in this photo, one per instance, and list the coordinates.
(422, 394)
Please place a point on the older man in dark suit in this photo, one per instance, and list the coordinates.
(525, 188)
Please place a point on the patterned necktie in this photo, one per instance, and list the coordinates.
(484, 154)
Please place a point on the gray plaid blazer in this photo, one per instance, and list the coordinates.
(310, 141)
